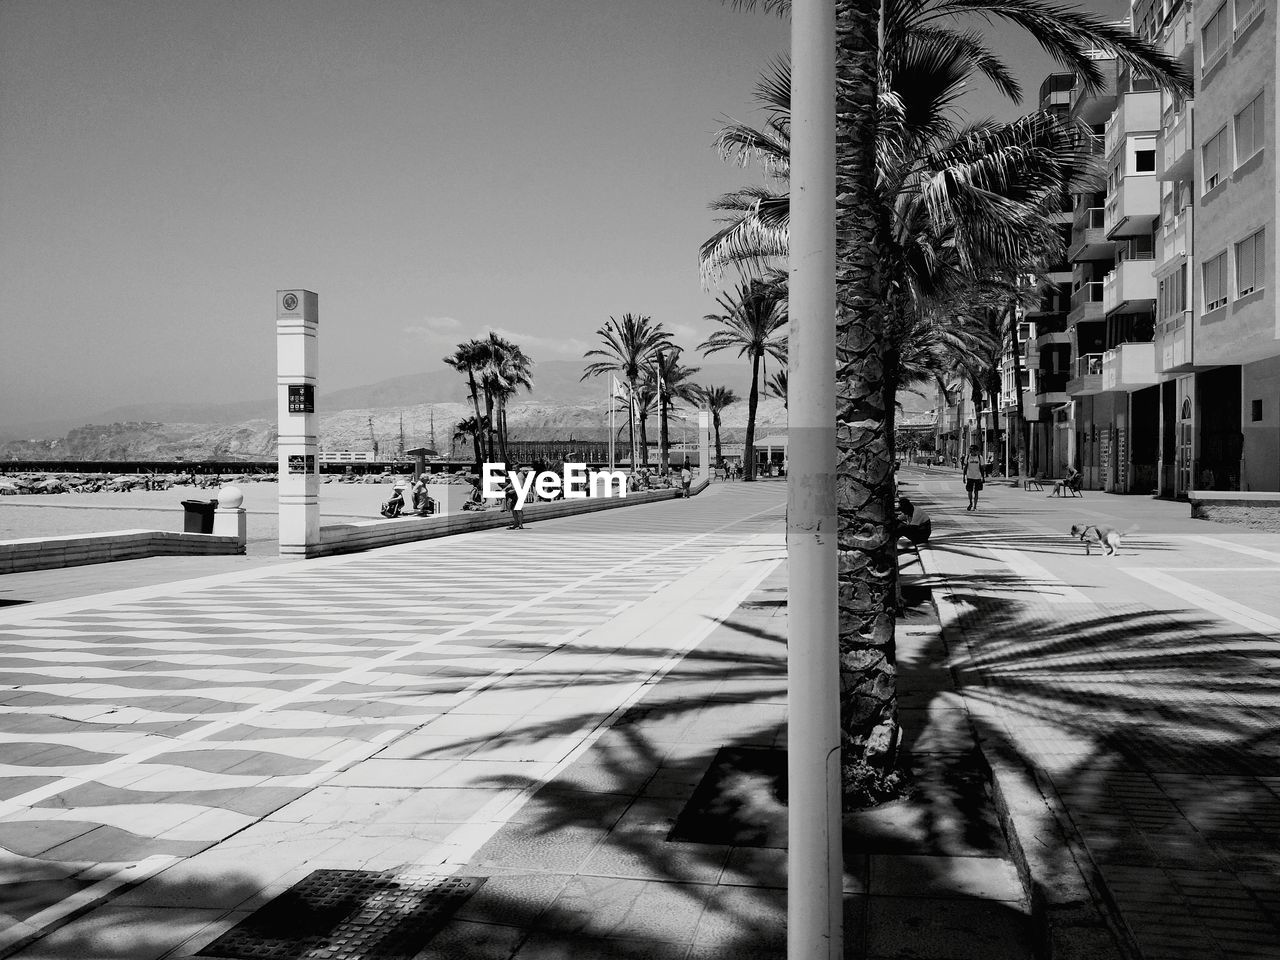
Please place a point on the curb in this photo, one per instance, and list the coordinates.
(1072, 911)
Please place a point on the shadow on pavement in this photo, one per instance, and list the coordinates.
(1158, 735)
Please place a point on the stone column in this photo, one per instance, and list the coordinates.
(229, 517)
(297, 367)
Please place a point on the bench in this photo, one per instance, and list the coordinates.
(1068, 488)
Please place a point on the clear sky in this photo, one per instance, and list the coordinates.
(431, 168)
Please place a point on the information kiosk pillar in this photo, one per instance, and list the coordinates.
(297, 367)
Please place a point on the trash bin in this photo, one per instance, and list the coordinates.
(199, 515)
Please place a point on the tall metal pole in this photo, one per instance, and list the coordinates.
(814, 927)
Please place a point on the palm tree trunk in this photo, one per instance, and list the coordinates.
(938, 424)
(475, 402)
(715, 422)
(488, 422)
(631, 439)
(1019, 419)
(664, 455)
(864, 443)
(753, 398)
(644, 441)
(631, 421)
(993, 401)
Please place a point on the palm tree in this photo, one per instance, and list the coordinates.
(675, 385)
(506, 368)
(471, 428)
(469, 358)
(718, 399)
(753, 321)
(645, 401)
(865, 77)
(630, 345)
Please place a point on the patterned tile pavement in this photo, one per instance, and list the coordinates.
(1139, 692)
(259, 719)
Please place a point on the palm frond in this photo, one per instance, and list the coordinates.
(1069, 34)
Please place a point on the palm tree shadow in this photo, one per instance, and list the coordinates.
(1155, 735)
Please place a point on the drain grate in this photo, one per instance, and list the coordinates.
(347, 915)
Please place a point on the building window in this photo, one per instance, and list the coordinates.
(1173, 293)
(1249, 264)
(1255, 410)
(1215, 282)
(1249, 130)
(1211, 156)
(1144, 161)
(1244, 10)
(1214, 34)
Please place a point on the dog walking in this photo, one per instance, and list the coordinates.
(973, 473)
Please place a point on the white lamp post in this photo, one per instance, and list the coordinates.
(814, 868)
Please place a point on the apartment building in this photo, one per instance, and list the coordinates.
(1114, 407)
(1166, 329)
(1174, 334)
(1042, 342)
(1234, 400)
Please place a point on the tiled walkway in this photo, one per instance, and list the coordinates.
(390, 710)
(1138, 695)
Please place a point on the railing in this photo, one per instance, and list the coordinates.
(1089, 365)
(1053, 382)
(1090, 292)
(1123, 254)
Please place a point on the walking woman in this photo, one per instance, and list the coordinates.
(973, 476)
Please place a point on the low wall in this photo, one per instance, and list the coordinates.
(368, 534)
(1254, 508)
(17, 556)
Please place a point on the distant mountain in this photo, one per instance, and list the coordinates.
(425, 407)
(553, 380)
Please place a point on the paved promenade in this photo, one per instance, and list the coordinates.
(586, 716)
(1129, 708)
(175, 754)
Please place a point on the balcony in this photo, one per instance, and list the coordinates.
(1094, 106)
(1174, 159)
(1178, 37)
(1174, 352)
(1135, 113)
(1175, 235)
(1051, 391)
(1049, 331)
(1030, 408)
(1088, 378)
(1086, 303)
(1130, 283)
(1089, 238)
(1129, 367)
(1133, 208)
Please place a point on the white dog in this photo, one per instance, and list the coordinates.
(1106, 537)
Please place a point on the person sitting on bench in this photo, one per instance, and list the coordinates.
(913, 522)
(1071, 482)
(394, 506)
